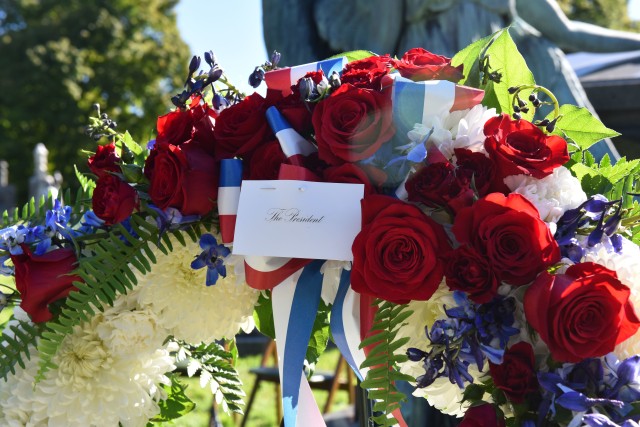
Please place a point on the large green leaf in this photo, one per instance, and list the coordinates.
(177, 403)
(505, 58)
(469, 58)
(582, 127)
(263, 316)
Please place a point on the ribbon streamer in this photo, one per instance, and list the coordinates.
(228, 197)
(295, 306)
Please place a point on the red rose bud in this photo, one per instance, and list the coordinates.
(241, 128)
(185, 178)
(105, 160)
(583, 313)
(43, 279)
(516, 375)
(368, 72)
(113, 199)
(519, 147)
(419, 64)
(352, 124)
(468, 271)
(482, 416)
(509, 232)
(396, 255)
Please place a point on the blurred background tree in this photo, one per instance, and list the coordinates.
(606, 13)
(58, 58)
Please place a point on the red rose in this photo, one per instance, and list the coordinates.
(482, 416)
(519, 147)
(352, 124)
(349, 173)
(419, 64)
(43, 279)
(184, 177)
(583, 313)
(431, 184)
(105, 160)
(266, 161)
(367, 72)
(113, 199)
(468, 271)
(476, 167)
(509, 232)
(242, 127)
(293, 109)
(516, 375)
(396, 255)
(180, 126)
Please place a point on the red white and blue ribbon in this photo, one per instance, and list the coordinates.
(295, 306)
(283, 78)
(228, 197)
(414, 101)
(294, 146)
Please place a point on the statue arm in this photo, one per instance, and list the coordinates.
(571, 36)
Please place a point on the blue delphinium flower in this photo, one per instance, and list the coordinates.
(12, 237)
(603, 217)
(212, 257)
(171, 219)
(56, 221)
(5, 270)
(471, 334)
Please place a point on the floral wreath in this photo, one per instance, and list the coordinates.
(493, 264)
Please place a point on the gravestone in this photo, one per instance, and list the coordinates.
(7, 191)
(41, 182)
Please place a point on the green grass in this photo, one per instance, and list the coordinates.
(263, 412)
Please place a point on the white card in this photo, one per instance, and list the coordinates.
(298, 219)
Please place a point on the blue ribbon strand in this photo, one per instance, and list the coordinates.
(306, 299)
(337, 323)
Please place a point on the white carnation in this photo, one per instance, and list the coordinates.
(186, 307)
(625, 264)
(551, 195)
(457, 129)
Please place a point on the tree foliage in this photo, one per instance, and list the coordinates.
(606, 13)
(61, 57)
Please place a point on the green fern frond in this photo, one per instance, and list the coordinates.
(107, 273)
(87, 184)
(383, 361)
(216, 370)
(17, 347)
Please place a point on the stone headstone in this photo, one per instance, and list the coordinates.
(7, 191)
(41, 182)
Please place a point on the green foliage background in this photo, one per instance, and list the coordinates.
(58, 58)
(606, 13)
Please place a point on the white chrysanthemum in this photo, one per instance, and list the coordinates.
(457, 129)
(625, 264)
(186, 307)
(110, 371)
(17, 405)
(551, 195)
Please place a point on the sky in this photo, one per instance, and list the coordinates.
(232, 29)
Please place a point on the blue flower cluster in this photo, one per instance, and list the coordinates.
(607, 217)
(472, 333)
(212, 257)
(605, 387)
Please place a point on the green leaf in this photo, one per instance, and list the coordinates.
(263, 316)
(469, 58)
(505, 58)
(319, 336)
(582, 127)
(177, 403)
(354, 55)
